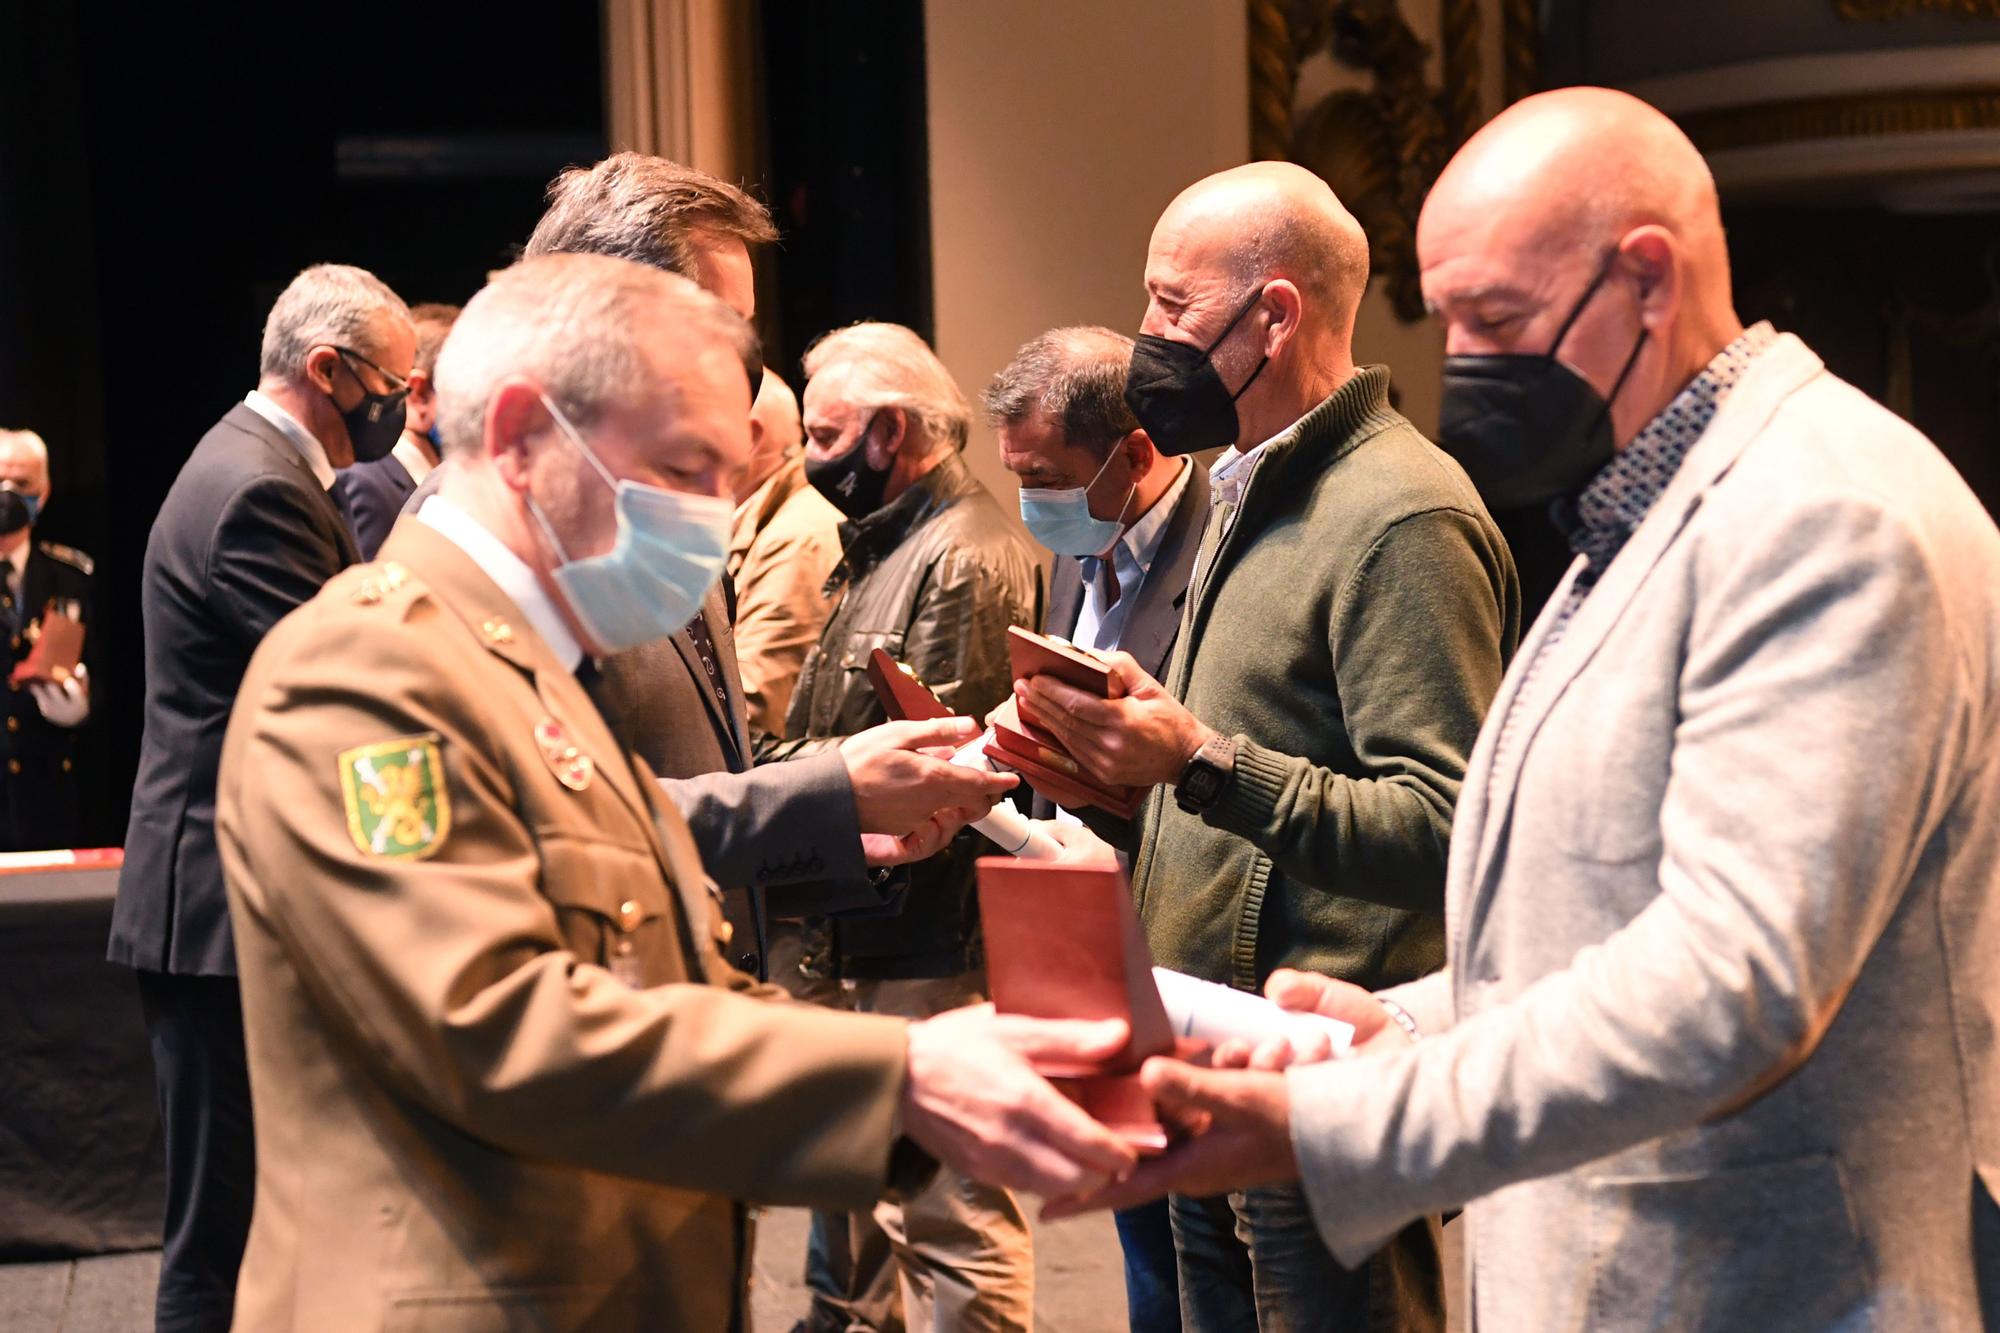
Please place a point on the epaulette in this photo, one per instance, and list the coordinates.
(69, 555)
(373, 583)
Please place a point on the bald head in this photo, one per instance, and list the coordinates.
(1269, 237)
(775, 433)
(1556, 192)
(1270, 220)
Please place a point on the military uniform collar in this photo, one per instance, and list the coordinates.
(507, 595)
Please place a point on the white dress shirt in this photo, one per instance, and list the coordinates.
(411, 455)
(302, 439)
(508, 571)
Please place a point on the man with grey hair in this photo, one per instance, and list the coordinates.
(39, 806)
(931, 571)
(1124, 522)
(482, 964)
(247, 532)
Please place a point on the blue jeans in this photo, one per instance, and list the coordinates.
(1152, 1277)
(1254, 1261)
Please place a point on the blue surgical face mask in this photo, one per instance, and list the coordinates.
(669, 552)
(1061, 519)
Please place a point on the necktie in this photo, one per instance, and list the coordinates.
(697, 632)
(1104, 578)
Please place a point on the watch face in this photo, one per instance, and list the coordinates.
(1202, 784)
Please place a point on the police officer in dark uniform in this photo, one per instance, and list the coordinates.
(39, 805)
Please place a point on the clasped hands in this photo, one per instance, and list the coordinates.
(974, 1101)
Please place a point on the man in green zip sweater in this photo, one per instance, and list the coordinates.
(1352, 610)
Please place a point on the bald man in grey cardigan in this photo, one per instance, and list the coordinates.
(1352, 609)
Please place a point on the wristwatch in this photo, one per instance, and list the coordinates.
(1202, 781)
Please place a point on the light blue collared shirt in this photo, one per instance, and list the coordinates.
(1132, 558)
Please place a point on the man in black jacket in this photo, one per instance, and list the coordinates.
(931, 571)
(247, 532)
(375, 493)
(39, 806)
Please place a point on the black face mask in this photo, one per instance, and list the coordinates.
(375, 423)
(17, 511)
(1174, 390)
(847, 480)
(1526, 428)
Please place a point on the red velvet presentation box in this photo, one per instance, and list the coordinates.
(1062, 941)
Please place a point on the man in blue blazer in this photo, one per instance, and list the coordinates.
(248, 532)
(1124, 522)
(376, 492)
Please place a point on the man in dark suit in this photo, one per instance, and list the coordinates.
(376, 492)
(809, 836)
(39, 806)
(247, 532)
(1124, 522)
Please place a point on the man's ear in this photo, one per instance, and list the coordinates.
(319, 367)
(1282, 297)
(1137, 446)
(885, 437)
(420, 384)
(515, 418)
(1655, 259)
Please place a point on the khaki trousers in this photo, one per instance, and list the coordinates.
(961, 1252)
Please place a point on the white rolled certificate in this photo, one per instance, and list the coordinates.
(1006, 827)
(1207, 1012)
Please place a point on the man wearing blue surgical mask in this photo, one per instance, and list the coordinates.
(1124, 522)
(487, 1000)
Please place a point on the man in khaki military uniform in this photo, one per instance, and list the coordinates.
(502, 1076)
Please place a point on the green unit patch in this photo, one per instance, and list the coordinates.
(397, 805)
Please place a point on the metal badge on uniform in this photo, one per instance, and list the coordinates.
(625, 965)
(571, 766)
(397, 802)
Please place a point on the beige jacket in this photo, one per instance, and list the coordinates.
(786, 540)
(502, 1077)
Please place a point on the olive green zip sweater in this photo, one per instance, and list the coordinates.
(1348, 624)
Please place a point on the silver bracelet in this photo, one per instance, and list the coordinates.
(1401, 1017)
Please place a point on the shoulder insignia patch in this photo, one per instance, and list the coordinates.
(397, 804)
(69, 555)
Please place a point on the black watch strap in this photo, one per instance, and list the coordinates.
(1202, 781)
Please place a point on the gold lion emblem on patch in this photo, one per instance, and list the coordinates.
(395, 794)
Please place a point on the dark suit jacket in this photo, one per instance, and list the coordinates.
(376, 493)
(246, 534)
(39, 804)
(1155, 618)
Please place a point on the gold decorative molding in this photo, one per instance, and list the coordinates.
(1520, 49)
(1381, 149)
(1875, 11)
(1273, 75)
(1850, 117)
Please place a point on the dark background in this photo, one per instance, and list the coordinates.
(165, 170)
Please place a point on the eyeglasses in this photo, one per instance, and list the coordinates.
(401, 387)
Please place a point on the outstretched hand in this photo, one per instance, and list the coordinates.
(904, 781)
(1240, 1123)
(974, 1101)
